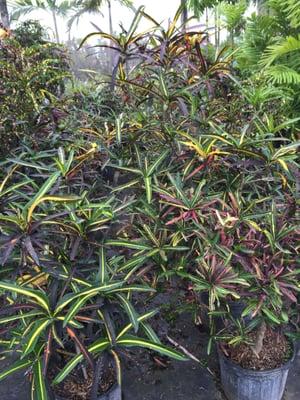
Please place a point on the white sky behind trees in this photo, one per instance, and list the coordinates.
(161, 10)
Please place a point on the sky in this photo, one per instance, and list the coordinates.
(161, 10)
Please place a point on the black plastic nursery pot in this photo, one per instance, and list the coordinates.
(236, 309)
(245, 384)
(115, 393)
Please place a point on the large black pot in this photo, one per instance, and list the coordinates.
(236, 309)
(245, 384)
(114, 393)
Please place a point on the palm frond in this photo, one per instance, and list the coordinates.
(282, 74)
(285, 46)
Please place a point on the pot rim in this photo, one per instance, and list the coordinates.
(240, 369)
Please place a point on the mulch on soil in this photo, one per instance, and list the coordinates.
(77, 387)
(276, 352)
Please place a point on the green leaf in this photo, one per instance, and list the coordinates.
(96, 347)
(15, 367)
(130, 245)
(119, 129)
(17, 317)
(90, 292)
(75, 308)
(102, 272)
(39, 381)
(152, 336)
(148, 187)
(133, 341)
(141, 318)
(37, 330)
(43, 190)
(133, 317)
(271, 315)
(38, 296)
(56, 199)
(135, 23)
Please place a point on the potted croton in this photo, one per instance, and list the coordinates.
(248, 282)
(256, 350)
(67, 315)
(68, 338)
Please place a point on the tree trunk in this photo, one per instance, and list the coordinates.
(111, 32)
(217, 28)
(4, 13)
(55, 26)
(207, 24)
(184, 15)
(232, 38)
(262, 7)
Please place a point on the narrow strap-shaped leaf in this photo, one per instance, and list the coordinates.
(86, 354)
(150, 333)
(47, 351)
(56, 337)
(75, 308)
(119, 129)
(92, 291)
(39, 381)
(102, 272)
(38, 329)
(133, 316)
(117, 366)
(130, 245)
(126, 185)
(148, 187)
(271, 315)
(17, 317)
(43, 190)
(56, 199)
(109, 325)
(133, 288)
(29, 247)
(135, 23)
(141, 318)
(133, 341)
(151, 235)
(17, 366)
(39, 297)
(133, 262)
(96, 347)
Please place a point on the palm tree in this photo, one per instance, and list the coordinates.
(184, 15)
(4, 13)
(233, 16)
(54, 7)
(198, 7)
(262, 7)
(95, 7)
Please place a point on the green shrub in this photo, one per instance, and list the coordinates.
(30, 80)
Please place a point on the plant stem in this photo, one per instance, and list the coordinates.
(257, 348)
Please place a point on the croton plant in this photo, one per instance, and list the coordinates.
(170, 170)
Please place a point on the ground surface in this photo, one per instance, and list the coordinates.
(148, 377)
